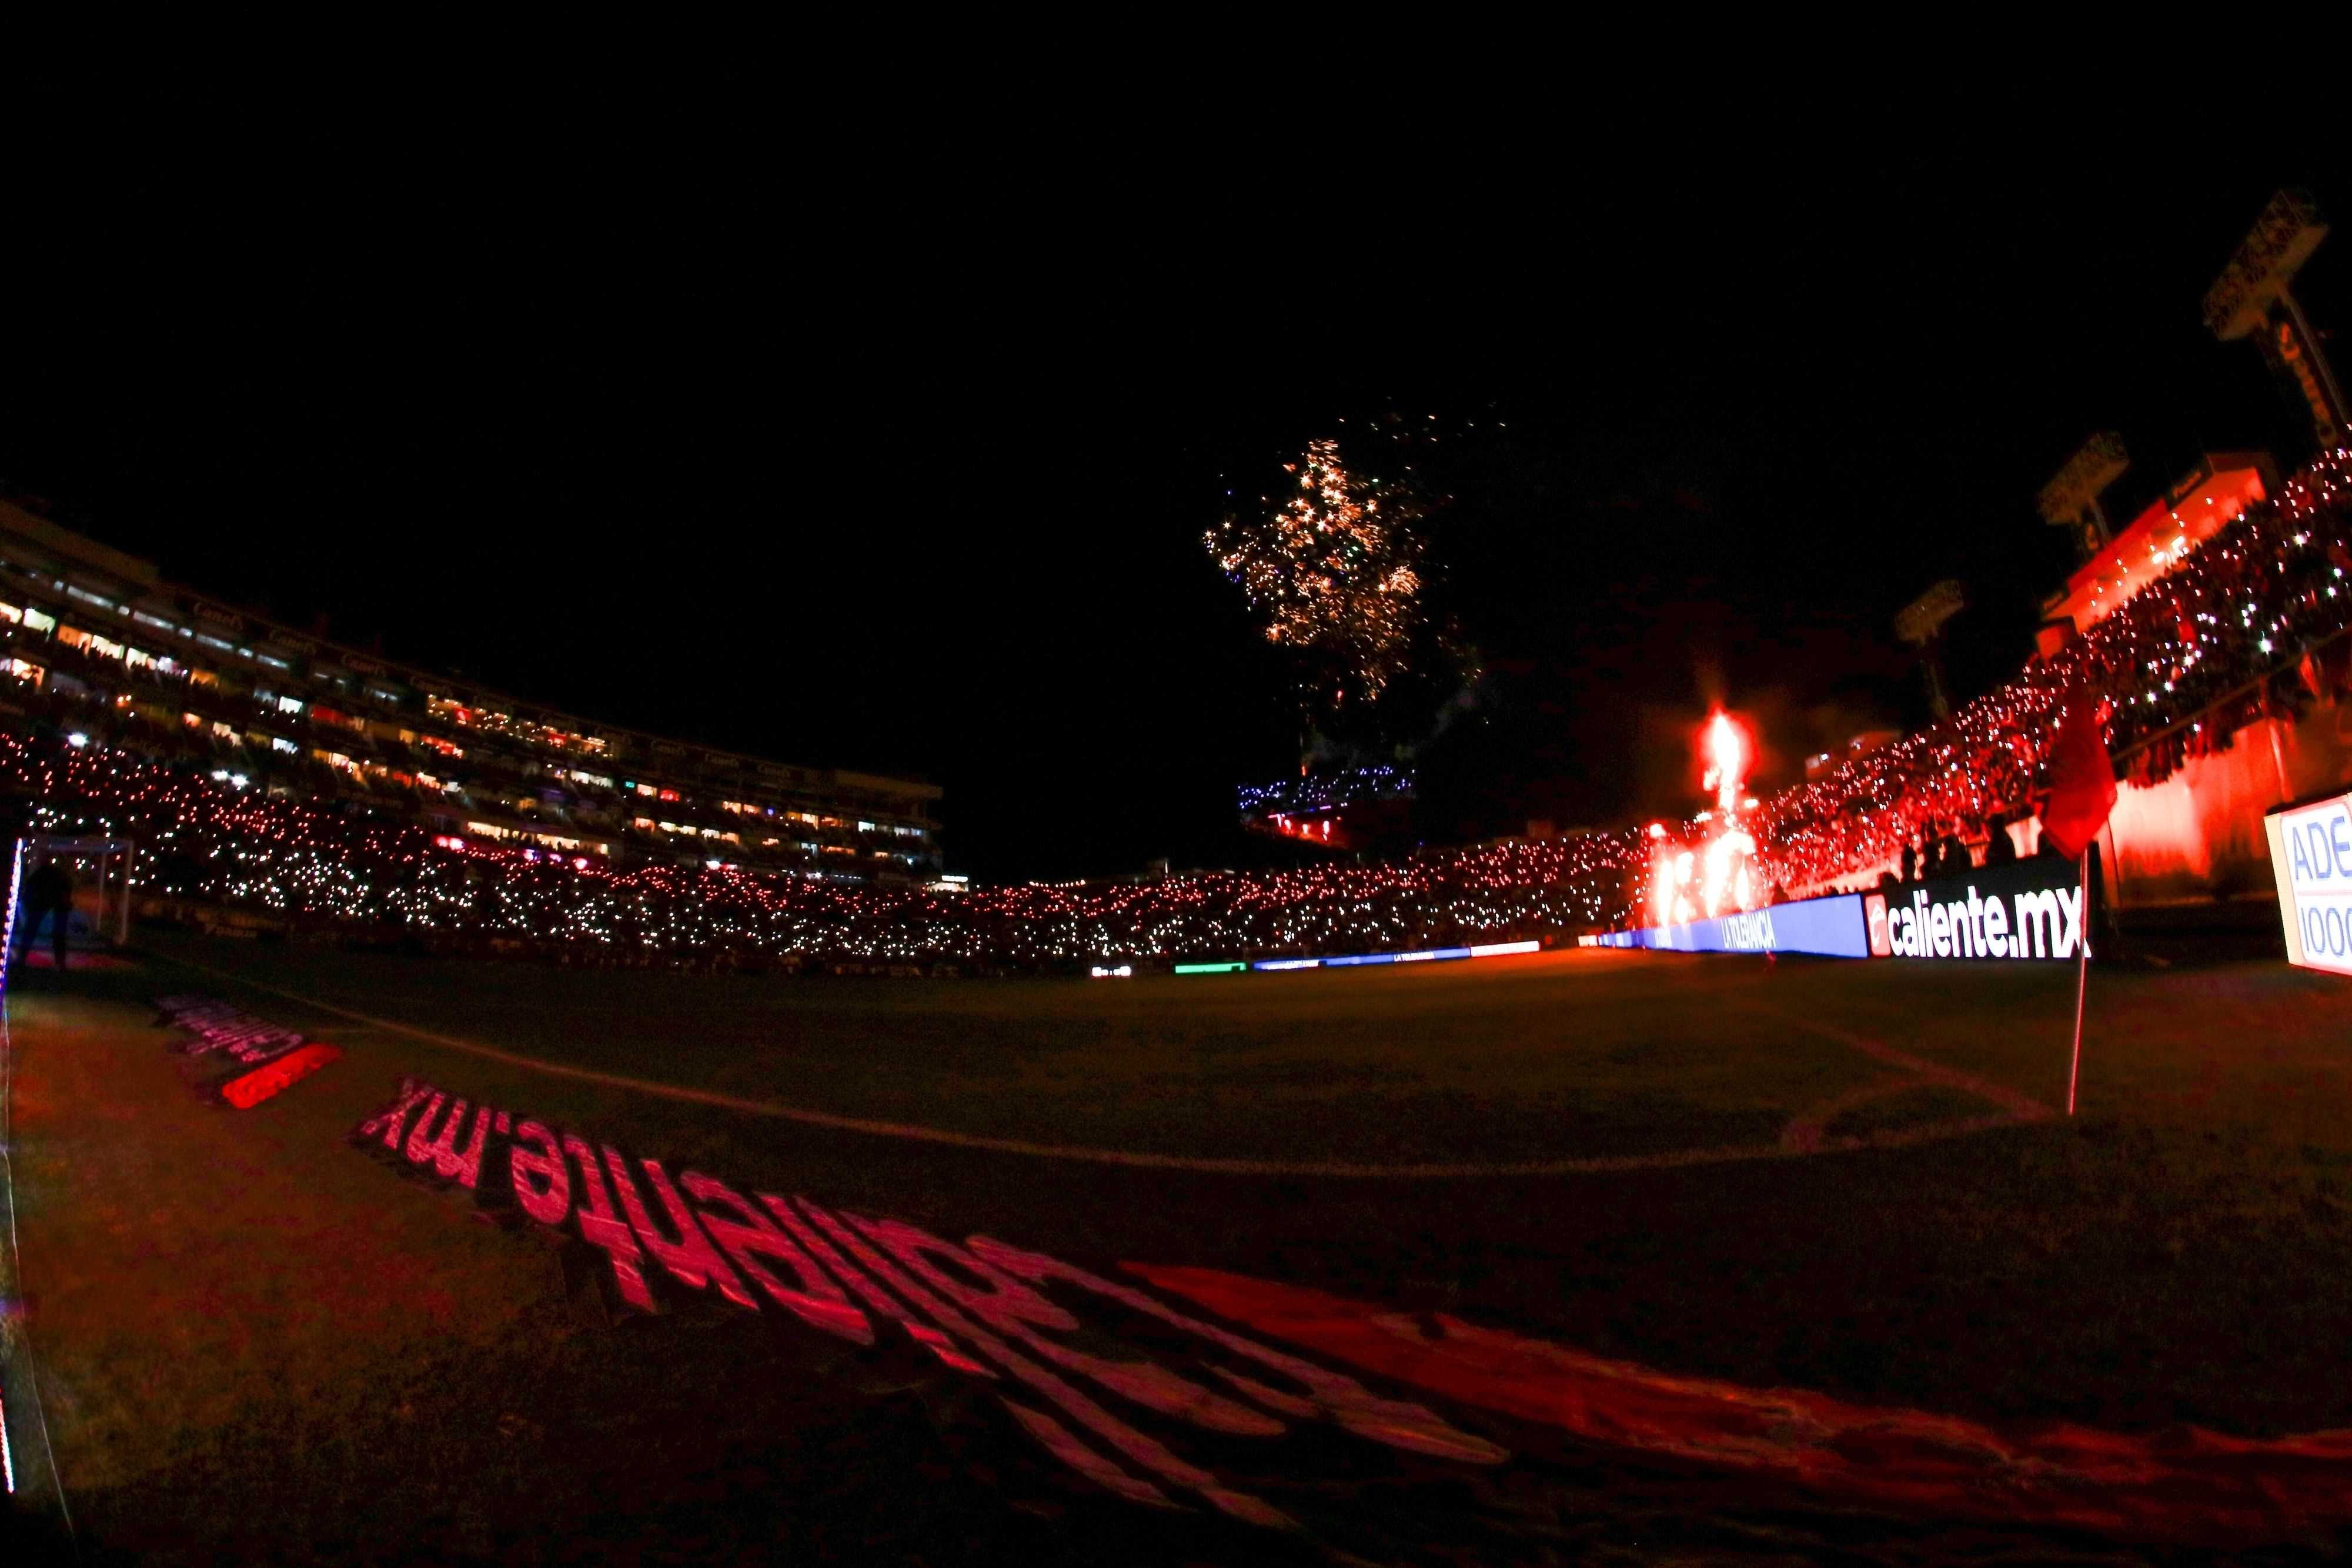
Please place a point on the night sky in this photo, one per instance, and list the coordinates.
(892, 449)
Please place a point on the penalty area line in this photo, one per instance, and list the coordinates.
(1132, 1158)
(2019, 1108)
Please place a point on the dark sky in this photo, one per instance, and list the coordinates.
(891, 449)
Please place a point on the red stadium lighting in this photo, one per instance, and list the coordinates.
(1720, 877)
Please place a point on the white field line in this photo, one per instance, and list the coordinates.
(2022, 1107)
(1136, 1159)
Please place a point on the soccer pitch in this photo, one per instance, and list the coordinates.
(259, 1340)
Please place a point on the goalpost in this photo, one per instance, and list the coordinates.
(104, 863)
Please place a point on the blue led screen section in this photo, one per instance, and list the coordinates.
(1833, 927)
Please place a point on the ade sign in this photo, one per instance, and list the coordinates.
(2311, 855)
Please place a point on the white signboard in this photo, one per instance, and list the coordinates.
(2311, 854)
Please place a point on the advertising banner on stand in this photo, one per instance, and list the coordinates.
(2311, 855)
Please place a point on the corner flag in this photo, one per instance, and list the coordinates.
(2082, 778)
(2082, 793)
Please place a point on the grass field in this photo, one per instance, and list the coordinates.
(258, 1344)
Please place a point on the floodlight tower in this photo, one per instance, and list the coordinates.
(1921, 624)
(2070, 499)
(2251, 298)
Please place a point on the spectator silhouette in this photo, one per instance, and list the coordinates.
(49, 895)
(1951, 856)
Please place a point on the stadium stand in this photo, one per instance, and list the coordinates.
(2251, 625)
(168, 672)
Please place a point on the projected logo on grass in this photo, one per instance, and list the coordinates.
(982, 1310)
(276, 1056)
(979, 1308)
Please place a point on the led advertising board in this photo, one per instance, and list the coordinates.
(2029, 909)
(2311, 855)
(1833, 927)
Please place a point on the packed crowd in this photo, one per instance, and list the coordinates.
(2249, 624)
(206, 841)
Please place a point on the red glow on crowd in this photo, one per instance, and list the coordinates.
(1728, 752)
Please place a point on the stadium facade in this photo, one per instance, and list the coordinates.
(95, 638)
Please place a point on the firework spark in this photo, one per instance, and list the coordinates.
(1722, 877)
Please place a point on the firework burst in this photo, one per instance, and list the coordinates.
(1334, 570)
